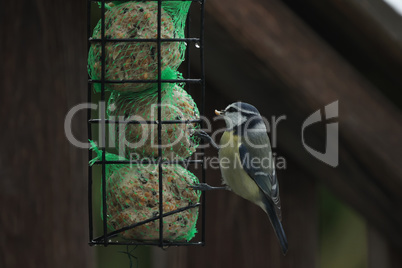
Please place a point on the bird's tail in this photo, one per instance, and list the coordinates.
(276, 223)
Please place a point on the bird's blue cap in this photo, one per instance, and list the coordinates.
(242, 106)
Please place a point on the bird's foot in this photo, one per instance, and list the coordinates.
(206, 187)
(201, 134)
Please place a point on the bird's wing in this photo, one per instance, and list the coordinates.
(266, 180)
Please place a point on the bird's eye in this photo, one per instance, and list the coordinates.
(231, 110)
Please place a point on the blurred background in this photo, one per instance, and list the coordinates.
(288, 58)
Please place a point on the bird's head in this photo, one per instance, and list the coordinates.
(242, 116)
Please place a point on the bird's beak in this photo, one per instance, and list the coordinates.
(219, 112)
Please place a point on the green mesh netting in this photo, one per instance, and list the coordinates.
(138, 61)
(137, 141)
(132, 191)
(133, 196)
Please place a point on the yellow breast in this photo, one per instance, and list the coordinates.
(232, 171)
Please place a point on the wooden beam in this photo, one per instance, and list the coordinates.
(43, 184)
(239, 234)
(380, 252)
(260, 52)
(365, 32)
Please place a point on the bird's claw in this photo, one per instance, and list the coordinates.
(206, 187)
(201, 134)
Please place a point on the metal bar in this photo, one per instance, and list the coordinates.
(146, 162)
(108, 121)
(154, 0)
(135, 243)
(159, 217)
(133, 40)
(149, 122)
(103, 68)
(160, 124)
(203, 201)
(90, 212)
(202, 57)
(188, 21)
(194, 81)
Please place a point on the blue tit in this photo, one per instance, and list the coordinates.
(246, 162)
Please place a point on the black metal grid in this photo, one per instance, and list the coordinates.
(105, 238)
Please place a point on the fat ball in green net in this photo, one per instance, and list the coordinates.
(138, 60)
(133, 196)
(137, 141)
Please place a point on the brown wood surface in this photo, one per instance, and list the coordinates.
(265, 55)
(239, 234)
(365, 32)
(256, 50)
(260, 52)
(380, 252)
(43, 185)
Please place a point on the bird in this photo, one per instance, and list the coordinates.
(246, 163)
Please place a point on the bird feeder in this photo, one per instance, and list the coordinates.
(134, 56)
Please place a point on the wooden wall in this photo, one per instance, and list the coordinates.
(43, 193)
(257, 51)
(263, 53)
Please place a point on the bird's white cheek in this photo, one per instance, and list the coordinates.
(239, 119)
(229, 122)
(234, 119)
